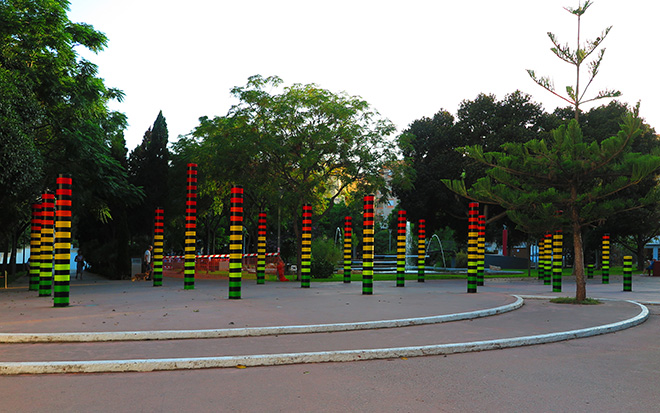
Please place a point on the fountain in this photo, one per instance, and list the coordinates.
(428, 248)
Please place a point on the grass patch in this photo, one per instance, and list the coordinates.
(572, 300)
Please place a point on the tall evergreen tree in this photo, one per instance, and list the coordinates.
(148, 166)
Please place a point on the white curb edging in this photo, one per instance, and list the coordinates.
(145, 365)
(251, 331)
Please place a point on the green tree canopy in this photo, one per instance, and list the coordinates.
(564, 181)
(303, 144)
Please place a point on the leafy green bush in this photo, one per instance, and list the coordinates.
(325, 256)
(461, 259)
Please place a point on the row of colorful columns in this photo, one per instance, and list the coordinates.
(50, 243)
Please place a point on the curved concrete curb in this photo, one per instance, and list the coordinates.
(145, 365)
(251, 331)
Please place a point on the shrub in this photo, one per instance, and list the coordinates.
(325, 255)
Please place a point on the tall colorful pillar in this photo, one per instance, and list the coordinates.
(47, 233)
(548, 259)
(605, 261)
(235, 242)
(62, 274)
(401, 250)
(421, 250)
(540, 267)
(261, 248)
(190, 246)
(348, 249)
(306, 256)
(473, 246)
(35, 250)
(481, 250)
(557, 255)
(368, 246)
(627, 273)
(159, 231)
(590, 271)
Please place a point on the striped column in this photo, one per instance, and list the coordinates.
(159, 231)
(191, 228)
(261, 248)
(368, 246)
(481, 250)
(548, 259)
(306, 256)
(62, 276)
(627, 273)
(46, 247)
(590, 271)
(401, 250)
(557, 250)
(540, 267)
(35, 250)
(236, 242)
(473, 246)
(605, 261)
(421, 250)
(348, 249)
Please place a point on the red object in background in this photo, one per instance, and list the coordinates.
(505, 241)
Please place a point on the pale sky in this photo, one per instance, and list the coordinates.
(408, 59)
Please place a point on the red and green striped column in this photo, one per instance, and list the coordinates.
(47, 235)
(473, 246)
(605, 260)
(159, 231)
(421, 250)
(557, 258)
(190, 249)
(261, 248)
(306, 256)
(481, 243)
(548, 259)
(348, 249)
(627, 273)
(62, 274)
(541, 260)
(35, 250)
(368, 246)
(401, 250)
(235, 242)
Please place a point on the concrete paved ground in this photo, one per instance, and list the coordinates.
(613, 372)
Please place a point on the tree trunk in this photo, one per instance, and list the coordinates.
(578, 262)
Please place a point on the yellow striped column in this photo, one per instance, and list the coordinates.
(368, 246)
(62, 242)
(47, 235)
(159, 230)
(190, 249)
(473, 246)
(235, 242)
(261, 248)
(35, 250)
(306, 256)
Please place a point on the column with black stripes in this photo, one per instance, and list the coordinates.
(421, 250)
(627, 273)
(481, 250)
(261, 248)
(306, 256)
(605, 260)
(235, 242)
(401, 250)
(190, 249)
(62, 273)
(159, 232)
(35, 248)
(47, 238)
(557, 260)
(348, 249)
(368, 246)
(473, 246)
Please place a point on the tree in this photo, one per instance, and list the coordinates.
(55, 104)
(148, 168)
(303, 145)
(564, 181)
(574, 95)
(429, 147)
